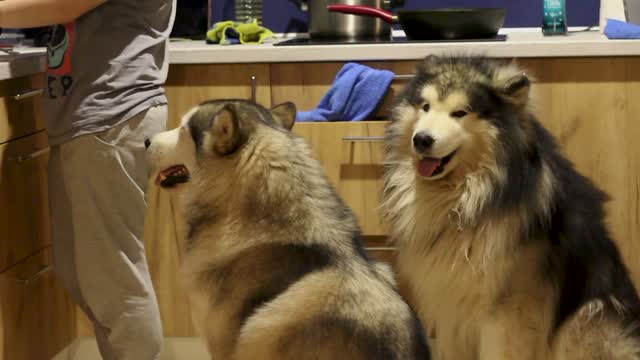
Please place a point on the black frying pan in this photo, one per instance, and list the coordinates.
(436, 24)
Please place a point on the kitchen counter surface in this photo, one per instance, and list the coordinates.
(25, 61)
(520, 43)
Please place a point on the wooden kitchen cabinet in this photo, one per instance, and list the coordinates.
(24, 218)
(20, 111)
(591, 106)
(351, 152)
(35, 312)
(189, 85)
(37, 318)
(306, 83)
(352, 156)
(24, 202)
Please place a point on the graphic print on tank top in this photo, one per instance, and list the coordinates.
(59, 79)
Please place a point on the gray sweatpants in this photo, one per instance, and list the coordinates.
(97, 202)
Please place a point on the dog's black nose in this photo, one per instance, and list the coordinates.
(422, 141)
(147, 143)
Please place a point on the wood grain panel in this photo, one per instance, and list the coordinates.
(591, 106)
(24, 201)
(163, 243)
(189, 85)
(353, 167)
(36, 315)
(20, 117)
(306, 83)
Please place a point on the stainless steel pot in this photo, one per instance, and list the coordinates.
(325, 24)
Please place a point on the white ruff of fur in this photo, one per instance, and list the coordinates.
(424, 210)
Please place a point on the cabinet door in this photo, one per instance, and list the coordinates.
(24, 207)
(352, 156)
(189, 85)
(20, 112)
(36, 315)
(163, 245)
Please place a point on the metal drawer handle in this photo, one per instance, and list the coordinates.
(28, 94)
(381, 248)
(35, 154)
(29, 279)
(254, 88)
(363, 138)
(403, 77)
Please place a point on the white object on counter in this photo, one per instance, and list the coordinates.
(22, 64)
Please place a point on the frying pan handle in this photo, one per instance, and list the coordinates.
(301, 4)
(390, 4)
(363, 10)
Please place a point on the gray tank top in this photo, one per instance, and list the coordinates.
(107, 66)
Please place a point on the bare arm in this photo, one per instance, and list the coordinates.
(36, 13)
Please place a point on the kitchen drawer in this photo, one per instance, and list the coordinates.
(37, 315)
(20, 108)
(352, 156)
(24, 214)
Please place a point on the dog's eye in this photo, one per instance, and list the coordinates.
(426, 107)
(459, 114)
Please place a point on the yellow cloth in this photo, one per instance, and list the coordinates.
(245, 33)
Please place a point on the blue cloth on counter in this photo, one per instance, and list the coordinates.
(616, 29)
(354, 95)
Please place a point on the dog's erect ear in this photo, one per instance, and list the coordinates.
(427, 63)
(517, 88)
(225, 130)
(512, 84)
(285, 114)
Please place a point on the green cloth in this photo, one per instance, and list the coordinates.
(245, 33)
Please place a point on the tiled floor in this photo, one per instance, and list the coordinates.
(173, 349)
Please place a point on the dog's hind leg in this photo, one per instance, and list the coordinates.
(499, 342)
(515, 331)
(598, 338)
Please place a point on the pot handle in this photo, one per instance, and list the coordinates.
(363, 10)
(302, 4)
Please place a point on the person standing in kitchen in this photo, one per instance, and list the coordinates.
(104, 96)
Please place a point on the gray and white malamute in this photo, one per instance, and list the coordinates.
(502, 242)
(273, 262)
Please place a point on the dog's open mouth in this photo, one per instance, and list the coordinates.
(171, 176)
(430, 167)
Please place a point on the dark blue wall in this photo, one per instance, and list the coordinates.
(284, 16)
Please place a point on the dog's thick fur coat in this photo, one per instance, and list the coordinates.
(501, 241)
(273, 263)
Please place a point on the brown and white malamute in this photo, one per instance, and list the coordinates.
(502, 242)
(273, 262)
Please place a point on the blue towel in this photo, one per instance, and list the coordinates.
(616, 29)
(354, 95)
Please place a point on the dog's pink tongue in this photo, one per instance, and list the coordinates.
(427, 166)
